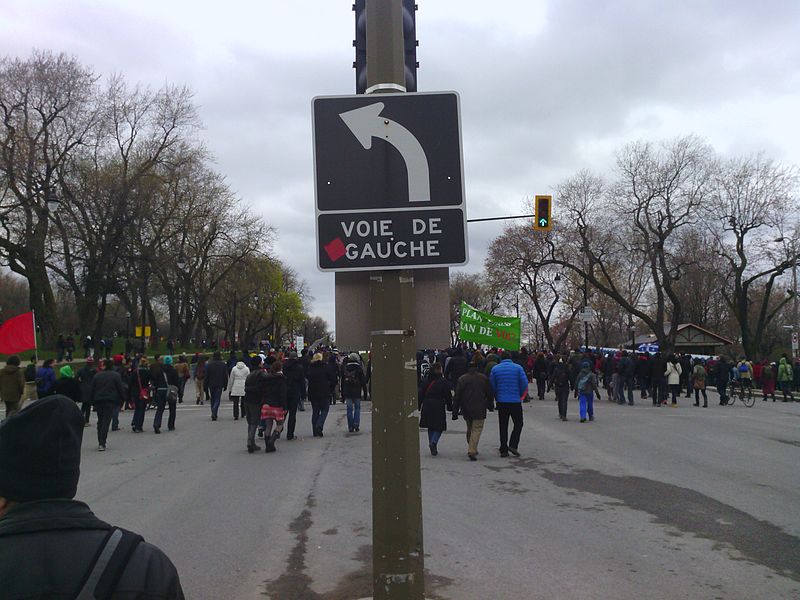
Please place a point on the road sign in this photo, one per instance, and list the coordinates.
(586, 314)
(795, 341)
(389, 181)
(543, 215)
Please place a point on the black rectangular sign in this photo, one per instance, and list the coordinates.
(397, 154)
(391, 240)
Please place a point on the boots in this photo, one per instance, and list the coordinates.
(270, 447)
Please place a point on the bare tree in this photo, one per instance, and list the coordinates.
(754, 204)
(47, 112)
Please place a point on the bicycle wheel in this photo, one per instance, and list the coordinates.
(748, 399)
(732, 397)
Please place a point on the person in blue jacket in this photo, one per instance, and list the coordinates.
(510, 386)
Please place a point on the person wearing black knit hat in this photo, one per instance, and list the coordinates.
(51, 544)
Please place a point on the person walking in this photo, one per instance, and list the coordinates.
(184, 374)
(12, 385)
(254, 394)
(785, 379)
(273, 411)
(85, 375)
(45, 379)
(658, 381)
(140, 386)
(67, 385)
(673, 372)
(473, 397)
(699, 383)
(354, 387)
(106, 391)
(586, 387)
(295, 383)
(320, 385)
(510, 386)
(216, 382)
(166, 386)
(540, 374)
(560, 382)
(236, 382)
(627, 373)
(722, 376)
(52, 546)
(767, 381)
(434, 398)
(200, 380)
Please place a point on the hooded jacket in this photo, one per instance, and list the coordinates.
(237, 378)
(320, 383)
(12, 383)
(473, 396)
(785, 373)
(47, 546)
(275, 390)
(67, 385)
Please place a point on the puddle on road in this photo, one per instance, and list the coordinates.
(684, 509)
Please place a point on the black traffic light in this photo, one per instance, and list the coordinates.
(360, 44)
(410, 44)
(543, 217)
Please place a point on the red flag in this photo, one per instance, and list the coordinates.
(17, 334)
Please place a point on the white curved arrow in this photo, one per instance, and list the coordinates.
(366, 123)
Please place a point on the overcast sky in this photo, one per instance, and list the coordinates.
(546, 88)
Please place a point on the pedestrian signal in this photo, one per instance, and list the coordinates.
(543, 217)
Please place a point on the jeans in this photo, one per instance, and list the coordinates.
(216, 398)
(586, 402)
(512, 410)
(697, 392)
(252, 412)
(675, 390)
(236, 400)
(115, 418)
(540, 386)
(353, 412)
(658, 390)
(624, 384)
(181, 388)
(474, 430)
(139, 407)
(722, 390)
(562, 395)
(291, 420)
(161, 401)
(86, 409)
(433, 436)
(104, 412)
(319, 412)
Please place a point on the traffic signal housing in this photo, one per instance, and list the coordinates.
(543, 215)
(410, 44)
(360, 44)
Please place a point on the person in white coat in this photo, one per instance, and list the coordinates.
(236, 387)
(673, 374)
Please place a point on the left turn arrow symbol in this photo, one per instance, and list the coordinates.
(366, 123)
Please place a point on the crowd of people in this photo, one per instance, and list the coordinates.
(269, 387)
(468, 382)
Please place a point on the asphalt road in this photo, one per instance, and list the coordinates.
(642, 503)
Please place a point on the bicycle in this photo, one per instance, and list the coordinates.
(744, 393)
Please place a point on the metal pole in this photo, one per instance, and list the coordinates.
(397, 549)
(585, 306)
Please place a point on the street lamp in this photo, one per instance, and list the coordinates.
(181, 262)
(52, 201)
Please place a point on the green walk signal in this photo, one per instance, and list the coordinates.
(543, 214)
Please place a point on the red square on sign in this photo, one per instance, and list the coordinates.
(335, 249)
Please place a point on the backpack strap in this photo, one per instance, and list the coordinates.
(109, 562)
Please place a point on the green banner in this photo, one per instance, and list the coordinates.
(488, 329)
